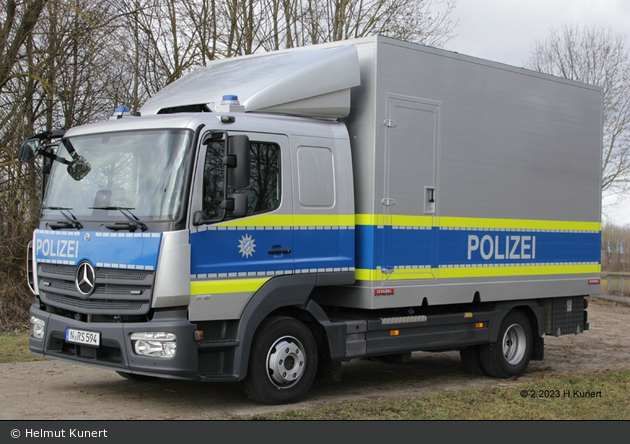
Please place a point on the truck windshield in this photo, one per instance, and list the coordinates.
(143, 171)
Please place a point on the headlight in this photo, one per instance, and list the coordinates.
(155, 344)
(37, 327)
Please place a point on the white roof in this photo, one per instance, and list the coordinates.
(311, 81)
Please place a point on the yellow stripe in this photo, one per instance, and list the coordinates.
(227, 286)
(474, 272)
(345, 220)
(266, 220)
(398, 275)
(409, 221)
(474, 222)
(369, 219)
(333, 220)
(289, 220)
(394, 219)
(523, 224)
(532, 270)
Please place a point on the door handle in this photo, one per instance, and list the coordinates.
(280, 251)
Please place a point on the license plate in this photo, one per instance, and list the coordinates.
(83, 337)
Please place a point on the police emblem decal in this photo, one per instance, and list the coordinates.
(246, 246)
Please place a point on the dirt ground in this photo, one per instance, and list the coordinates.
(46, 390)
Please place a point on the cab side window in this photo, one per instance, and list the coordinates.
(263, 191)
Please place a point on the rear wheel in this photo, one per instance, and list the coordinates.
(471, 359)
(510, 354)
(282, 363)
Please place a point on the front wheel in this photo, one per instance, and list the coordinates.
(509, 356)
(282, 363)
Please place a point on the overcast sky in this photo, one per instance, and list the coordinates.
(505, 30)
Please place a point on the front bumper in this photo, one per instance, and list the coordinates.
(116, 350)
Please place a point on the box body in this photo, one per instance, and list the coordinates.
(474, 180)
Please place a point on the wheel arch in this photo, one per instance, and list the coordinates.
(536, 321)
(534, 312)
(307, 315)
(285, 296)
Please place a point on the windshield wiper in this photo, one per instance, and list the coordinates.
(133, 224)
(72, 222)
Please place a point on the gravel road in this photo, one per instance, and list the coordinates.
(48, 389)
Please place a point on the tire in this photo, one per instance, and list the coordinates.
(471, 358)
(509, 356)
(135, 377)
(282, 363)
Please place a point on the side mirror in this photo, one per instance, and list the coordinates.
(33, 146)
(235, 205)
(238, 159)
(29, 150)
(79, 167)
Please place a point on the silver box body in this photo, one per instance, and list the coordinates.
(472, 179)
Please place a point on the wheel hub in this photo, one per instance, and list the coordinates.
(286, 362)
(514, 344)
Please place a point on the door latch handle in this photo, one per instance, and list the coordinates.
(280, 251)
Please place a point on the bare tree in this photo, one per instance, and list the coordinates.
(19, 21)
(304, 22)
(49, 79)
(615, 248)
(596, 55)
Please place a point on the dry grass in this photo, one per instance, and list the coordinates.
(15, 300)
(14, 347)
(563, 397)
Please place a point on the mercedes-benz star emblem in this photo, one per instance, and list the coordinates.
(85, 278)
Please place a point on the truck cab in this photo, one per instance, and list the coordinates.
(165, 248)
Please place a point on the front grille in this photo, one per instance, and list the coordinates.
(121, 275)
(109, 290)
(116, 292)
(94, 306)
(60, 270)
(101, 273)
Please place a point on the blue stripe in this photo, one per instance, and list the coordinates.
(222, 251)
(369, 246)
(102, 249)
(516, 247)
(323, 248)
(443, 247)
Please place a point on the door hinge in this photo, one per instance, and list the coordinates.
(389, 123)
(389, 202)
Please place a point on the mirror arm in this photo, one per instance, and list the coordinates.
(70, 149)
(52, 134)
(226, 148)
(52, 156)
